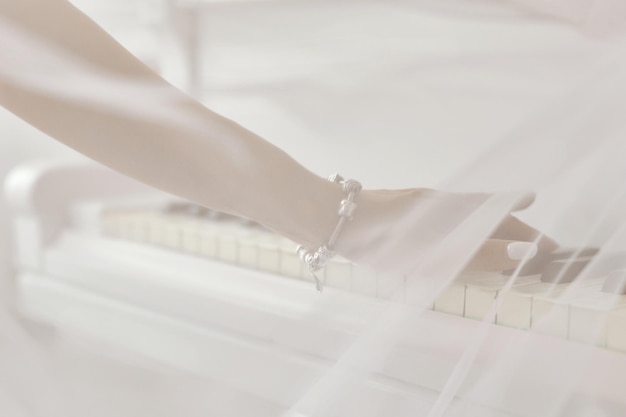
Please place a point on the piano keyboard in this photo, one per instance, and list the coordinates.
(206, 233)
(576, 310)
(184, 286)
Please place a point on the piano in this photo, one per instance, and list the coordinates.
(229, 300)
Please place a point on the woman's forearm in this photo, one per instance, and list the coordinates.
(76, 84)
(64, 75)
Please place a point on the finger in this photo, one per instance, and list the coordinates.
(502, 255)
(525, 201)
(512, 228)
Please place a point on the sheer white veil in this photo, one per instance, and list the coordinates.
(569, 151)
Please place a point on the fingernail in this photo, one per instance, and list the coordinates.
(521, 250)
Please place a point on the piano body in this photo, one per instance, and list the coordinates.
(228, 300)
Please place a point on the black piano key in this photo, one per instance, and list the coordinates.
(563, 266)
(540, 262)
(564, 271)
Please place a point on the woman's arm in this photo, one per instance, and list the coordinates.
(64, 75)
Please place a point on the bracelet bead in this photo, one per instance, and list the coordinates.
(316, 260)
(351, 186)
(346, 208)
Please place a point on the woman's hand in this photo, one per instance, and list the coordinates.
(399, 230)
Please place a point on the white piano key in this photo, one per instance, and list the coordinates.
(233, 236)
(363, 280)
(138, 229)
(125, 226)
(516, 304)
(118, 225)
(483, 289)
(207, 242)
(589, 313)
(514, 310)
(172, 233)
(480, 295)
(555, 310)
(248, 252)
(290, 264)
(451, 300)
(156, 226)
(421, 291)
(550, 310)
(131, 226)
(190, 237)
(219, 239)
(616, 329)
(549, 318)
(338, 273)
(479, 304)
(269, 254)
(227, 249)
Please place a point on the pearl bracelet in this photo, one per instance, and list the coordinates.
(316, 260)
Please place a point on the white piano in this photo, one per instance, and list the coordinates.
(228, 300)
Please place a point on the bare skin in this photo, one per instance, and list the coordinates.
(108, 105)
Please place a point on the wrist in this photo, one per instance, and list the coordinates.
(316, 258)
(378, 222)
(311, 213)
(321, 219)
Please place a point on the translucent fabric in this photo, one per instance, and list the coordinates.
(465, 97)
